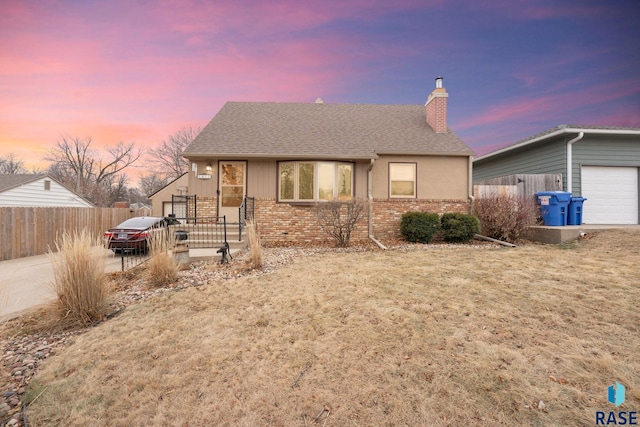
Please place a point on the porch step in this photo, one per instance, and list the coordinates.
(208, 254)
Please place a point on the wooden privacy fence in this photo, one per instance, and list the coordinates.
(28, 231)
(520, 185)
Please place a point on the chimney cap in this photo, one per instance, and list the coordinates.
(439, 82)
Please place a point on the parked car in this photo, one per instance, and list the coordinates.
(133, 234)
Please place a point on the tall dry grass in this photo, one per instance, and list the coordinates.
(162, 268)
(449, 335)
(79, 279)
(255, 247)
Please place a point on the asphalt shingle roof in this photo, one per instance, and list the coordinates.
(11, 180)
(357, 131)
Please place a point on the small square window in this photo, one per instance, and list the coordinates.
(47, 185)
(402, 180)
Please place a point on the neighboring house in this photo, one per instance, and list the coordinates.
(292, 156)
(161, 200)
(602, 163)
(141, 209)
(37, 190)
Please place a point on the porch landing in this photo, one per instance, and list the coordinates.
(559, 234)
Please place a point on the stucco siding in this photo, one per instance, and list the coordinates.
(437, 177)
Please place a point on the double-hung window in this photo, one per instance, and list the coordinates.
(305, 181)
(402, 180)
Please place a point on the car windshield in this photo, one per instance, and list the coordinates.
(139, 222)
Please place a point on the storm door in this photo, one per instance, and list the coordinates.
(233, 185)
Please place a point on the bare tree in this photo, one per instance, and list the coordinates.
(93, 176)
(9, 164)
(167, 159)
(150, 183)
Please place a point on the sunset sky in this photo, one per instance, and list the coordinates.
(138, 71)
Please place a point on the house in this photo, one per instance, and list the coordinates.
(291, 156)
(142, 209)
(37, 190)
(601, 162)
(161, 200)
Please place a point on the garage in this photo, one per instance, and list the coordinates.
(612, 194)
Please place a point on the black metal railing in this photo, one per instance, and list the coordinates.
(245, 212)
(187, 232)
(130, 257)
(201, 232)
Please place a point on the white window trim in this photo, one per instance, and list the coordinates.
(316, 172)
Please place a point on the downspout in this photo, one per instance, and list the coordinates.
(570, 160)
(370, 197)
(471, 198)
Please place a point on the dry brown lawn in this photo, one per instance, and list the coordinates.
(438, 336)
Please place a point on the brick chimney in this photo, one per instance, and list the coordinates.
(437, 108)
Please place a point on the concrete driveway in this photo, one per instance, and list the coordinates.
(24, 282)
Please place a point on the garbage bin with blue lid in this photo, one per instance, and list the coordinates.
(575, 211)
(554, 207)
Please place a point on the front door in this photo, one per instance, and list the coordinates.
(233, 185)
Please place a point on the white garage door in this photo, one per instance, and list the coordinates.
(612, 195)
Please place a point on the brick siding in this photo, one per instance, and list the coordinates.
(285, 223)
(437, 113)
(289, 224)
(387, 213)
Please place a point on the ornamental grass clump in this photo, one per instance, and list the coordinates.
(162, 267)
(255, 247)
(79, 279)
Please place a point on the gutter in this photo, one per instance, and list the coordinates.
(570, 160)
(370, 197)
(561, 131)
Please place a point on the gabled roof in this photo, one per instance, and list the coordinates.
(321, 131)
(12, 180)
(166, 185)
(563, 130)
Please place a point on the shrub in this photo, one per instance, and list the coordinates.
(162, 267)
(506, 217)
(338, 218)
(79, 279)
(459, 227)
(419, 227)
(255, 247)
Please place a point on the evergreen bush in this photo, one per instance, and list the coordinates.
(419, 227)
(459, 227)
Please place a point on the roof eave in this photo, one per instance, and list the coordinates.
(229, 156)
(426, 153)
(562, 131)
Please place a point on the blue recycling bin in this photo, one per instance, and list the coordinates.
(575, 211)
(554, 207)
